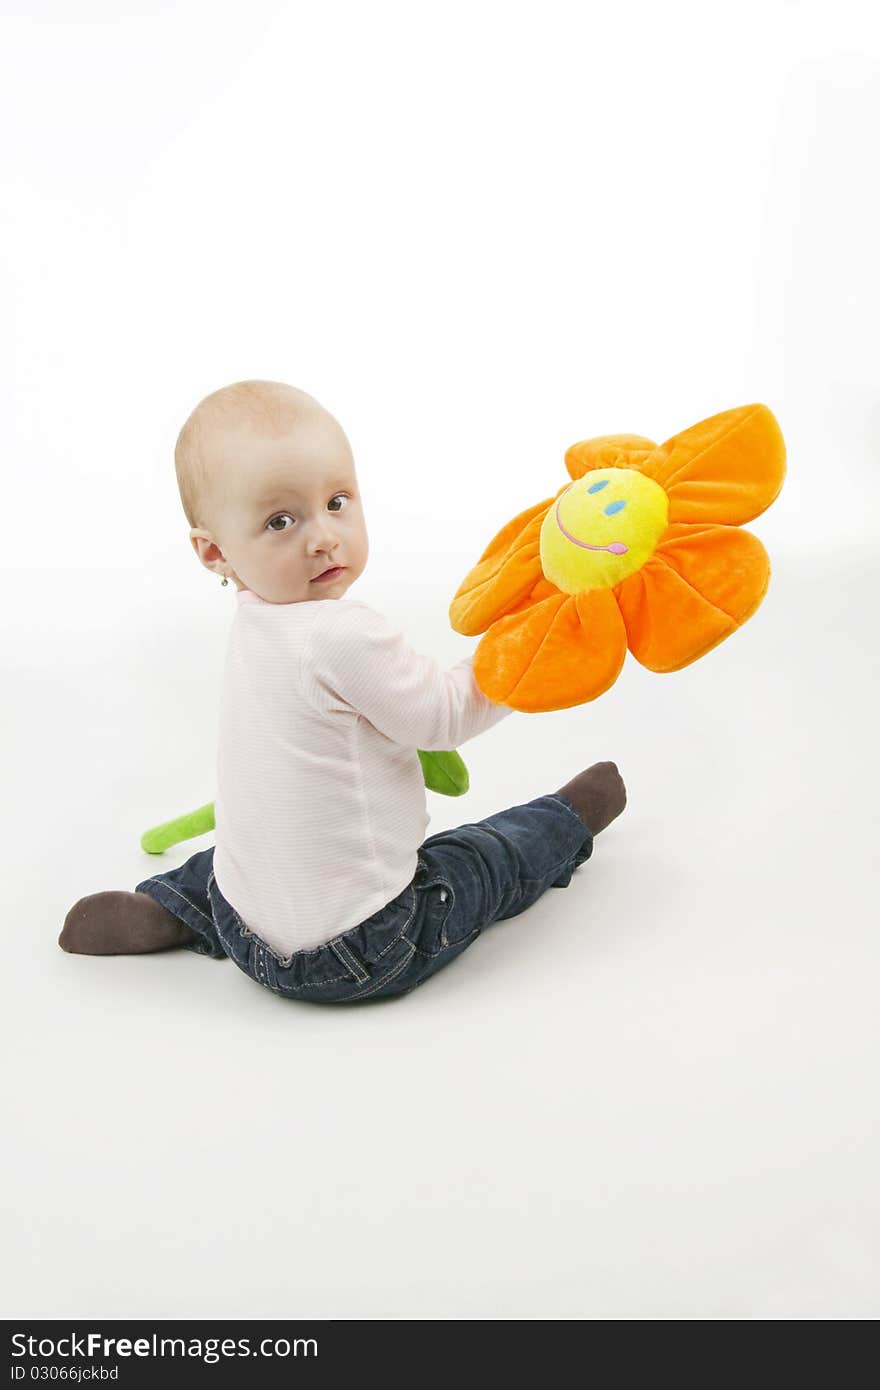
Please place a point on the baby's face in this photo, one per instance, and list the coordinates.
(286, 510)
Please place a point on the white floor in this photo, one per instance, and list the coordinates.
(652, 1096)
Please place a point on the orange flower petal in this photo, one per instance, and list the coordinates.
(726, 469)
(699, 586)
(505, 574)
(608, 451)
(562, 651)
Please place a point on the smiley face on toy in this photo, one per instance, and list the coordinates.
(601, 529)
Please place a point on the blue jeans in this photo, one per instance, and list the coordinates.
(466, 879)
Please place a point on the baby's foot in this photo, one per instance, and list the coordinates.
(117, 923)
(597, 794)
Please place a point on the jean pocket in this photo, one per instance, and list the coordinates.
(378, 950)
(433, 931)
(355, 964)
(373, 943)
(382, 980)
(357, 983)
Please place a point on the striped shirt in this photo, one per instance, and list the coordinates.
(320, 802)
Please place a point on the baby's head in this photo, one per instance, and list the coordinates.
(267, 481)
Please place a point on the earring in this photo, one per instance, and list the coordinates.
(225, 581)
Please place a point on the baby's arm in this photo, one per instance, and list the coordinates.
(354, 659)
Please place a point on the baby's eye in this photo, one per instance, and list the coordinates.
(270, 526)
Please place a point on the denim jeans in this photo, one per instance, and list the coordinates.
(466, 879)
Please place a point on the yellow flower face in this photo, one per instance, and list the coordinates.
(602, 529)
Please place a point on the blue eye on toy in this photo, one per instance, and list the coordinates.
(614, 507)
(597, 487)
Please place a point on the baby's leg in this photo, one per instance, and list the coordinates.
(116, 923)
(493, 869)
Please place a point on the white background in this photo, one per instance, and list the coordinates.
(477, 233)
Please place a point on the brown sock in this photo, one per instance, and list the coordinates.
(117, 923)
(597, 794)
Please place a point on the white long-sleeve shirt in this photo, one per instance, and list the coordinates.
(320, 803)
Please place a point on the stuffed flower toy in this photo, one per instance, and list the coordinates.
(643, 550)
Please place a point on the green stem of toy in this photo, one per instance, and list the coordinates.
(162, 837)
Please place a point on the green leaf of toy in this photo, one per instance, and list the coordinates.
(444, 773)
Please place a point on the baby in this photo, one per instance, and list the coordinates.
(320, 885)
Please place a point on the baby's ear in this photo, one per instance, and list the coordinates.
(204, 546)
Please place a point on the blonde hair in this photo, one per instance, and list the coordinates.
(267, 407)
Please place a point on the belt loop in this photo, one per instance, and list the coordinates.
(348, 958)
